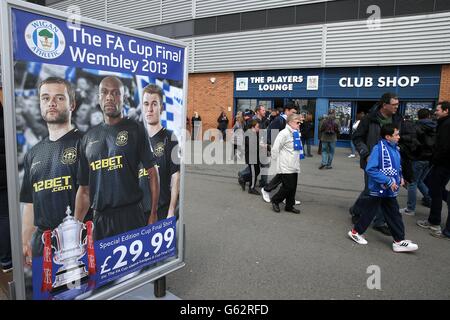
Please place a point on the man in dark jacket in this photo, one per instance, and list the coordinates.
(440, 174)
(365, 138)
(418, 149)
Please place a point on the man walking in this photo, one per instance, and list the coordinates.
(286, 151)
(276, 126)
(440, 174)
(328, 135)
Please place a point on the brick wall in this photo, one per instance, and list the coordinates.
(209, 99)
(444, 93)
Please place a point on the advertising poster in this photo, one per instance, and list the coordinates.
(343, 115)
(99, 122)
(411, 109)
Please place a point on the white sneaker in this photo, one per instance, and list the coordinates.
(297, 202)
(407, 212)
(357, 237)
(265, 195)
(404, 246)
(352, 156)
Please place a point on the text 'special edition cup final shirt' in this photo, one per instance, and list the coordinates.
(109, 163)
(50, 178)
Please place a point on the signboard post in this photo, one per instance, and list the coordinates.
(94, 127)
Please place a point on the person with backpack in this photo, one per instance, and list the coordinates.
(328, 135)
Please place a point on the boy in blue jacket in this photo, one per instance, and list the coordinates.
(385, 177)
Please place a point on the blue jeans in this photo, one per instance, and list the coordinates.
(420, 169)
(352, 146)
(307, 146)
(328, 152)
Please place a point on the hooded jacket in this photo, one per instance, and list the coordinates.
(367, 134)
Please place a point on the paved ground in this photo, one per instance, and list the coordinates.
(238, 248)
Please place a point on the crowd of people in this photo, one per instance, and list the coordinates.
(394, 151)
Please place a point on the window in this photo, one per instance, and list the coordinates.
(404, 7)
(228, 23)
(342, 10)
(164, 30)
(246, 104)
(411, 109)
(205, 26)
(253, 20)
(386, 8)
(266, 103)
(280, 17)
(305, 106)
(184, 28)
(310, 13)
(442, 5)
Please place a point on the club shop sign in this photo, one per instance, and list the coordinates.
(380, 82)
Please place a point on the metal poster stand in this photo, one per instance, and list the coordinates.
(162, 268)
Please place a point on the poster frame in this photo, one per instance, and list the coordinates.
(17, 287)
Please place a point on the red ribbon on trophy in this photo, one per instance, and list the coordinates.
(47, 262)
(90, 248)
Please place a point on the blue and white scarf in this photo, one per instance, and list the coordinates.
(388, 160)
(298, 144)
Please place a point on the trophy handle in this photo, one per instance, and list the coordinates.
(55, 234)
(52, 235)
(84, 241)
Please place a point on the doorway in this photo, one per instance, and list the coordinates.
(364, 106)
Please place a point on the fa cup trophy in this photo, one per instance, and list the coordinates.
(70, 248)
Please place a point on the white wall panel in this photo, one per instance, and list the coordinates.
(176, 10)
(405, 40)
(134, 14)
(91, 9)
(206, 8)
(147, 13)
(259, 50)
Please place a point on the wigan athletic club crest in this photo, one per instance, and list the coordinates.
(45, 39)
(159, 149)
(69, 156)
(122, 138)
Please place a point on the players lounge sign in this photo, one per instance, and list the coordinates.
(276, 83)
